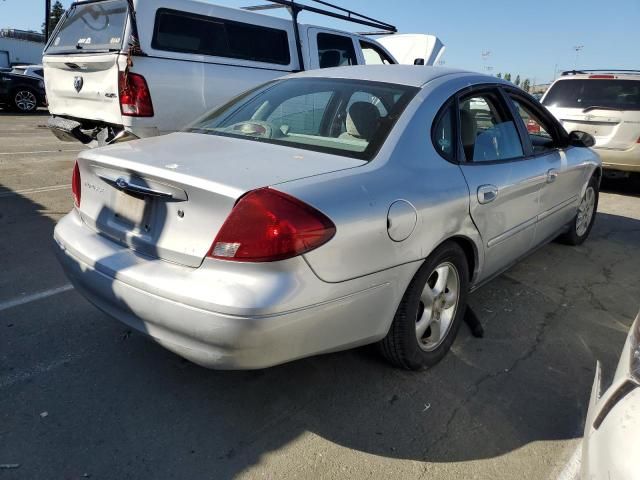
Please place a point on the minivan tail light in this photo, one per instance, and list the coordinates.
(602, 76)
(76, 187)
(267, 225)
(135, 98)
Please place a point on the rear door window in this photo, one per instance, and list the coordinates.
(487, 130)
(611, 94)
(91, 27)
(335, 50)
(177, 31)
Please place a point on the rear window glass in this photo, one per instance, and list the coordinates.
(610, 94)
(190, 33)
(344, 117)
(91, 27)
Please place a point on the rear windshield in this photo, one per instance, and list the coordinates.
(91, 27)
(610, 94)
(344, 117)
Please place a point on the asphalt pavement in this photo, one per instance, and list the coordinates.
(82, 396)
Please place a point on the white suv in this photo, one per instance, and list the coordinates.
(606, 104)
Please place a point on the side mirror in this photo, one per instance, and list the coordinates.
(581, 139)
(418, 61)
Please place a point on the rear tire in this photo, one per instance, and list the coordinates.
(431, 311)
(24, 100)
(580, 227)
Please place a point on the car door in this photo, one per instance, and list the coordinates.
(329, 49)
(504, 183)
(4, 87)
(546, 142)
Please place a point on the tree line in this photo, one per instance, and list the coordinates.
(525, 84)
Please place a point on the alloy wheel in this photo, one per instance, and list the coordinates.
(26, 101)
(438, 305)
(585, 211)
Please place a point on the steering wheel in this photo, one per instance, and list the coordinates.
(256, 128)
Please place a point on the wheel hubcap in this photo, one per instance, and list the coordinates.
(585, 211)
(25, 100)
(438, 306)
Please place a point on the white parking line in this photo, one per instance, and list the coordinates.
(39, 151)
(35, 190)
(28, 373)
(34, 297)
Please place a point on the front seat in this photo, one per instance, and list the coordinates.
(468, 132)
(362, 121)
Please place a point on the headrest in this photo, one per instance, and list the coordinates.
(362, 120)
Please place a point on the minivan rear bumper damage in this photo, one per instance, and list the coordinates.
(231, 317)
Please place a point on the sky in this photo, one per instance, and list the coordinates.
(533, 38)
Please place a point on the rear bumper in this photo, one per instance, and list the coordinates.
(623, 160)
(93, 133)
(220, 318)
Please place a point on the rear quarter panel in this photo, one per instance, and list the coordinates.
(358, 200)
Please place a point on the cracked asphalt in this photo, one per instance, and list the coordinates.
(81, 396)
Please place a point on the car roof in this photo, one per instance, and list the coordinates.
(600, 75)
(410, 75)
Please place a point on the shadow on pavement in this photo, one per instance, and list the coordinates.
(622, 186)
(123, 407)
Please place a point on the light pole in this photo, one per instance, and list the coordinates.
(485, 54)
(577, 48)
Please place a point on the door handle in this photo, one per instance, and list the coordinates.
(552, 174)
(487, 193)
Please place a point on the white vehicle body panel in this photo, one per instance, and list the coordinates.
(611, 445)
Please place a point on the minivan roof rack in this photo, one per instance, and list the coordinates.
(338, 12)
(608, 70)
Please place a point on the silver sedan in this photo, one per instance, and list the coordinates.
(323, 211)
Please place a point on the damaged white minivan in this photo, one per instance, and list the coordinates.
(117, 70)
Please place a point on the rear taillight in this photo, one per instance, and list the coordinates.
(76, 187)
(602, 76)
(268, 225)
(135, 98)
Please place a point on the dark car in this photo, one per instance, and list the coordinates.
(22, 93)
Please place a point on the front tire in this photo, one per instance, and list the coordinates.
(25, 100)
(431, 311)
(582, 223)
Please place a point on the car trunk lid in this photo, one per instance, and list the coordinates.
(149, 197)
